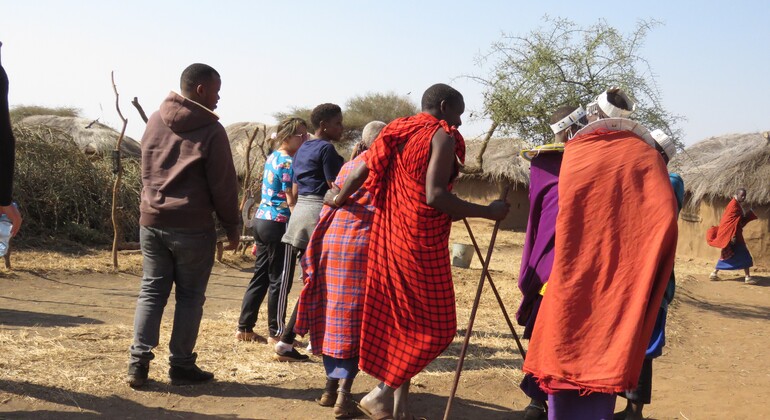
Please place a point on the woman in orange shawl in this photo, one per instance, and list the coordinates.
(729, 237)
(613, 255)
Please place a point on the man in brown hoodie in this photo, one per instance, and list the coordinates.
(187, 174)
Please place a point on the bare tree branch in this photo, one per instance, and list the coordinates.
(118, 176)
(139, 108)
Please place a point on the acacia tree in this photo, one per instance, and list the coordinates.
(359, 111)
(385, 107)
(562, 64)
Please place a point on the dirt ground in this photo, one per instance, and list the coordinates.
(64, 337)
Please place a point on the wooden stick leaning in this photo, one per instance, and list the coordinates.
(118, 176)
(497, 295)
(469, 330)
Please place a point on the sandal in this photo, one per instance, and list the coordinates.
(376, 414)
(347, 409)
(327, 399)
(534, 412)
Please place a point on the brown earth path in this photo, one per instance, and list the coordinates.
(63, 341)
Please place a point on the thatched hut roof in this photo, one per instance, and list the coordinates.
(239, 134)
(718, 166)
(91, 138)
(501, 161)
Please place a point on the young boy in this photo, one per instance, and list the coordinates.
(316, 166)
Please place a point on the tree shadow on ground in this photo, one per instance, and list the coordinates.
(11, 317)
(433, 407)
(422, 404)
(478, 356)
(58, 245)
(85, 305)
(762, 281)
(86, 406)
(730, 310)
(78, 285)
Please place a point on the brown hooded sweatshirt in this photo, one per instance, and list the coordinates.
(187, 169)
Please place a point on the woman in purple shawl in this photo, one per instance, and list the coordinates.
(537, 257)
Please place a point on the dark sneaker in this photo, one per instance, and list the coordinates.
(137, 374)
(191, 375)
(290, 356)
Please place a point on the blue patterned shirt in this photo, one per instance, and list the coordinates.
(275, 182)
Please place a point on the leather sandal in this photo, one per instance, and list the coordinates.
(347, 409)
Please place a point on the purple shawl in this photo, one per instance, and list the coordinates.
(537, 257)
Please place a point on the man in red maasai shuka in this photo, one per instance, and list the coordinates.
(409, 307)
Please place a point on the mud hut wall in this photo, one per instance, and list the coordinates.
(481, 191)
(695, 221)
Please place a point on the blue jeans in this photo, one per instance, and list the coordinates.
(180, 257)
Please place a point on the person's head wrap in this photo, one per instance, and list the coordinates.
(665, 142)
(576, 117)
(611, 110)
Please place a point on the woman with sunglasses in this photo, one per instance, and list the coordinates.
(271, 219)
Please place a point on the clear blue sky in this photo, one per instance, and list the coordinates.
(710, 57)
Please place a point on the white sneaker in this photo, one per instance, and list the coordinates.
(750, 280)
(714, 276)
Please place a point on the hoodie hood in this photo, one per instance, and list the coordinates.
(182, 114)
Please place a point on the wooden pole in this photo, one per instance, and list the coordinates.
(469, 330)
(497, 295)
(118, 176)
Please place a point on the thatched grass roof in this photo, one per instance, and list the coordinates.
(239, 134)
(501, 161)
(718, 166)
(91, 139)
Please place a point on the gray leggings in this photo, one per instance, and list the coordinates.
(172, 257)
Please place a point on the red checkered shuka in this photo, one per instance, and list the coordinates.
(330, 305)
(409, 308)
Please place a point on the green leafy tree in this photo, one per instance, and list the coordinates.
(300, 112)
(359, 111)
(563, 63)
(385, 107)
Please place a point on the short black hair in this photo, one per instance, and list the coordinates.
(562, 112)
(740, 190)
(196, 74)
(324, 112)
(431, 99)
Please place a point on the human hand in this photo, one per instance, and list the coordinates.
(14, 216)
(329, 196)
(232, 244)
(498, 209)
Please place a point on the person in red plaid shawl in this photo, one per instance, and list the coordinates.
(335, 271)
(409, 304)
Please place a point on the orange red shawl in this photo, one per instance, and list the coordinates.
(730, 226)
(409, 307)
(614, 250)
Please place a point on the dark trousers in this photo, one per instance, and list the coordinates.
(286, 332)
(268, 269)
(180, 258)
(643, 392)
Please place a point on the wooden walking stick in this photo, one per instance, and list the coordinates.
(497, 295)
(469, 330)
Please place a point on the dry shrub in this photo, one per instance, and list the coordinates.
(62, 194)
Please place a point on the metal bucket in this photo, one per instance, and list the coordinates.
(462, 254)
